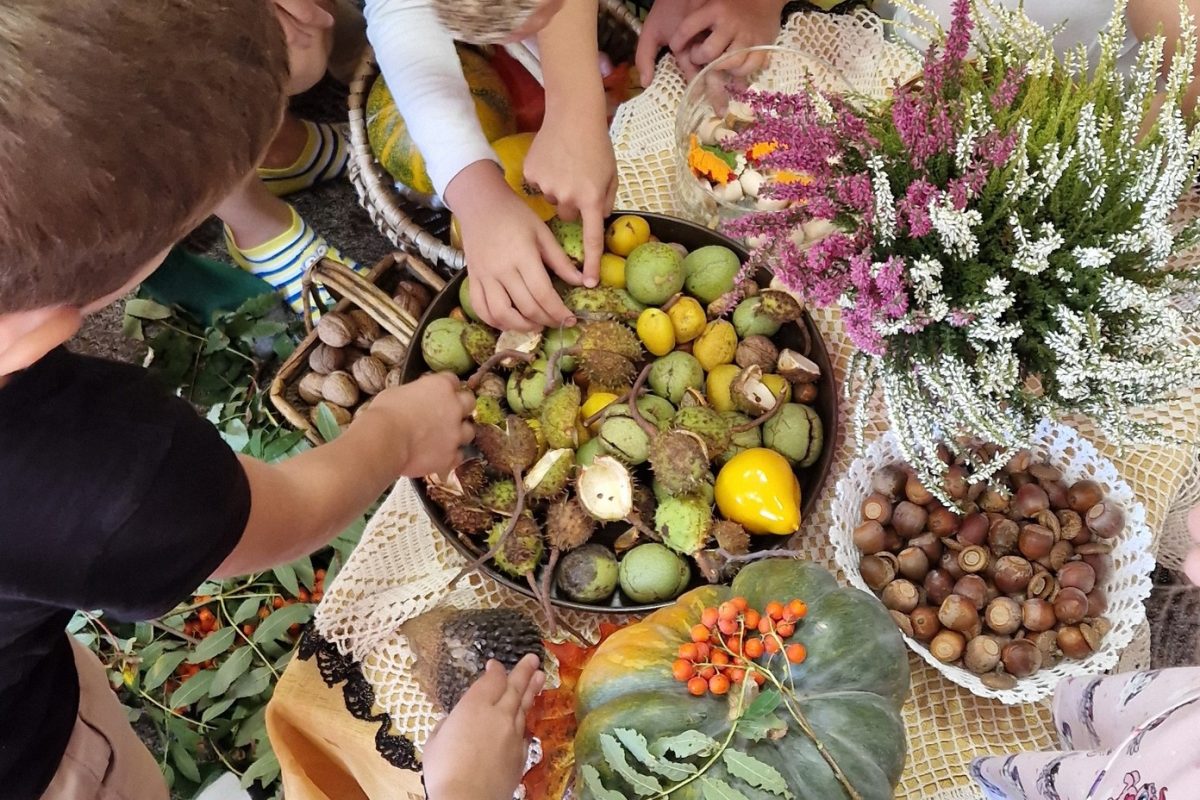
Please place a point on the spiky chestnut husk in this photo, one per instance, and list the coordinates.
(511, 450)
(644, 503)
(471, 476)
(605, 489)
(684, 523)
(601, 303)
(526, 389)
(441, 494)
(612, 337)
(465, 517)
(709, 425)
(551, 475)
(732, 537)
(606, 371)
(679, 461)
(488, 411)
(625, 440)
(559, 414)
(521, 551)
(568, 526)
(479, 341)
(500, 496)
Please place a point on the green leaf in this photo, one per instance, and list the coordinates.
(717, 789)
(285, 659)
(758, 774)
(78, 621)
(131, 328)
(153, 651)
(161, 669)
(192, 689)
(304, 571)
(246, 610)
(254, 682)
(217, 709)
(635, 743)
(147, 309)
(283, 445)
(233, 668)
(592, 782)
(236, 435)
(614, 755)
(684, 745)
(276, 625)
(254, 729)
(265, 770)
(764, 704)
(215, 341)
(327, 426)
(768, 727)
(727, 156)
(285, 575)
(213, 645)
(86, 639)
(185, 763)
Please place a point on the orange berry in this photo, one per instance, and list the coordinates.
(247, 629)
(697, 686)
(708, 617)
(700, 633)
(740, 603)
(688, 651)
(727, 611)
(205, 615)
(774, 610)
(766, 625)
(303, 596)
(785, 629)
(798, 609)
(737, 675)
(720, 659)
(753, 648)
(702, 651)
(728, 626)
(734, 644)
(264, 612)
(683, 670)
(277, 602)
(707, 672)
(796, 653)
(752, 618)
(771, 645)
(718, 684)
(319, 574)
(317, 595)
(758, 677)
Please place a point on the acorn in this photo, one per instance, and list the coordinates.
(914, 563)
(889, 482)
(1012, 574)
(1097, 603)
(756, 350)
(925, 623)
(1021, 658)
(1038, 615)
(915, 491)
(908, 519)
(1106, 520)
(309, 388)
(336, 329)
(389, 350)
(1031, 499)
(367, 329)
(949, 565)
(1003, 616)
(901, 595)
(1071, 606)
(955, 483)
(974, 588)
(877, 508)
(1003, 535)
(370, 374)
(1042, 584)
(938, 586)
(870, 537)
(973, 529)
(993, 500)
(982, 654)
(876, 572)
(948, 646)
(931, 544)
(974, 559)
(958, 613)
(325, 359)
(1072, 642)
(1046, 643)
(1035, 542)
(340, 388)
(1077, 575)
(942, 521)
(1057, 492)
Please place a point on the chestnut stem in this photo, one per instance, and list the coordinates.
(745, 558)
(486, 367)
(636, 412)
(625, 398)
(670, 303)
(542, 591)
(518, 509)
(754, 423)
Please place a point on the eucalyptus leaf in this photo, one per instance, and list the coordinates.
(768, 727)
(717, 789)
(592, 782)
(192, 689)
(217, 709)
(214, 342)
(286, 576)
(764, 704)
(264, 770)
(635, 743)
(280, 620)
(757, 773)
(684, 745)
(213, 645)
(304, 571)
(254, 729)
(161, 669)
(77, 623)
(233, 668)
(246, 610)
(327, 426)
(614, 756)
(185, 763)
(254, 682)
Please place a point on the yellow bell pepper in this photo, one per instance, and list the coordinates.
(758, 490)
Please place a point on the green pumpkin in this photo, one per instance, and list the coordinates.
(849, 691)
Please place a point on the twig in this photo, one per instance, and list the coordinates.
(192, 640)
(541, 593)
(745, 558)
(204, 726)
(486, 367)
(636, 412)
(752, 424)
(518, 509)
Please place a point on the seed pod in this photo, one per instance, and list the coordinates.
(974, 559)
(870, 537)
(949, 564)
(1003, 616)
(889, 482)
(1035, 542)
(1070, 606)
(925, 623)
(931, 544)
(908, 519)
(1097, 603)
(982, 654)
(877, 508)
(915, 491)
(1030, 500)
(336, 329)
(974, 588)
(325, 359)
(340, 389)
(1013, 574)
(1037, 615)
(938, 586)
(942, 521)
(1070, 640)
(876, 572)
(948, 646)
(914, 563)
(1077, 575)
(956, 482)
(974, 529)
(1021, 658)
(903, 622)
(958, 613)
(309, 388)
(1106, 520)
(1003, 536)
(901, 595)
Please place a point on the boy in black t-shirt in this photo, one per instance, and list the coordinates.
(121, 125)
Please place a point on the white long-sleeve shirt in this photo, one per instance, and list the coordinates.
(416, 54)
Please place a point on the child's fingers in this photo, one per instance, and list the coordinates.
(489, 687)
(692, 26)
(649, 43)
(466, 401)
(518, 682)
(500, 304)
(531, 692)
(557, 260)
(528, 299)
(713, 46)
(593, 243)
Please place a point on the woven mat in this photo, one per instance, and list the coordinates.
(403, 566)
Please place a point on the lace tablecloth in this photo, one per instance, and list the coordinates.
(403, 565)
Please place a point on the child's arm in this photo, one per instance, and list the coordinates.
(571, 160)
(298, 505)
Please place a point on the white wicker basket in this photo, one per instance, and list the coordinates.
(1127, 585)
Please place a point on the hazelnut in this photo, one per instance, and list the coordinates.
(973, 529)
(956, 482)
(1097, 603)
(390, 350)
(1077, 575)
(370, 374)
(993, 500)
(1013, 574)
(340, 415)
(1060, 554)
(958, 613)
(1106, 520)
(948, 646)
(1003, 615)
(340, 389)
(1035, 542)
(1072, 642)
(892, 541)
(1003, 535)
(309, 388)
(1045, 472)
(914, 563)
(974, 588)
(1001, 681)
(931, 544)
(925, 623)
(908, 519)
(949, 565)
(901, 595)
(1019, 462)
(325, 359)
(1083, 495)
(1042, 585)
(869, 537)
(1030, 500)
(1057, 492)
(368, 329)
(1037, 615)
(336, 329)
(974, 559)
(1021, 658)
(903, 622)
(1099, 563)
(938, 586)
(889, 482)
(757, 351)
(1070, 527)
(942, 521)
(915, 491)
(877, 508)
(982, 654)
(1070, 606)
(395, 377)
(876, 572)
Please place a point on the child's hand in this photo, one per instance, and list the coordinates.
(664, 19)
(430, 420)
(571, 161)
(1192, 565)
(508, 250)
(731, 25)
(479, 751)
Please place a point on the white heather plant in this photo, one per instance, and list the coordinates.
(1003, 234)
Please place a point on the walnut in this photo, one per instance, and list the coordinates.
(370, 374)
(368, 330)
(336, 330)
(310, 388)
(325, 359)
(389, 350)
(340, 389)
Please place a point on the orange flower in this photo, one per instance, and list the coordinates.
(707, 165)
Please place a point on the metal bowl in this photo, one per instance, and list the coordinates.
(806, 341)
